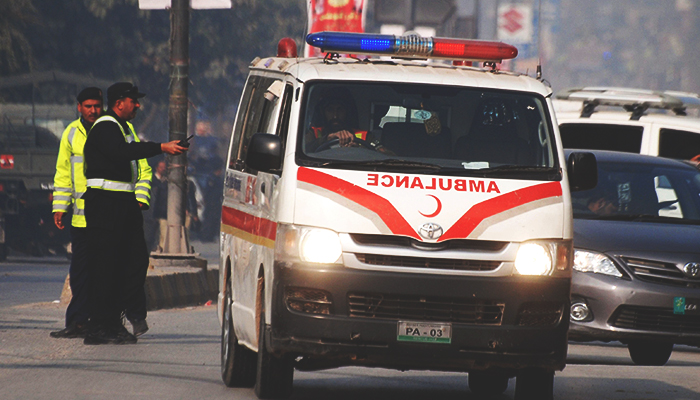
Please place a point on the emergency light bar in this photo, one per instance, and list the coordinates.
(635, 100)
(411, 46)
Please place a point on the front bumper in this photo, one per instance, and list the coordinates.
(625, 310)
(531, 331)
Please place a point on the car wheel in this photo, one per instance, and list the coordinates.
(275, 375)
(3, 251)
(534, 383)
(650, 353)
(237, 361)
(483, 383)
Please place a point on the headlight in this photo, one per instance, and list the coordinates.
(533, 259)
(544, 257)
(313, 245)
(588, 261)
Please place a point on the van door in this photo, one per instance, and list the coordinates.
(246, 218)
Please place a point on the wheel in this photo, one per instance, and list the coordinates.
(237, 361)
(650, 353)
(3, 251)
(275, 375)
(483, 383)
(534, 384)
(335, 142)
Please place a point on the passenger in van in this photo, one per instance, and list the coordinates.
(335, 118)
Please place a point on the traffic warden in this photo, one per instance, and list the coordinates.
(69, 186)
(117, 250)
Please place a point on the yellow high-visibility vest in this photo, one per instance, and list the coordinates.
(70, 182)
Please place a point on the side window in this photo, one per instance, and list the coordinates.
(254, 116)
(602, 137)
(682, 145)
(241, 120)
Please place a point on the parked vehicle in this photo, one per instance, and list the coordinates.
(396, 213)
(27, 167)
(637, 121)
(636, 275)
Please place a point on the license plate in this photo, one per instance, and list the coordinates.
(424, 332)
(684, 305)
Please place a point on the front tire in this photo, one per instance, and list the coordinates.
(534, 384)
(275, 375)
(650, 353)
(237, 361)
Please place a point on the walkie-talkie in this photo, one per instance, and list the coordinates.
(185, 142)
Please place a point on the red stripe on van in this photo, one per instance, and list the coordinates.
(480, 211)
(377, 204)
(248, 223)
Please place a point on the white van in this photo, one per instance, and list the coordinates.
(641, 121)
(396, 213)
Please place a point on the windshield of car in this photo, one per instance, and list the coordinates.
(641, 192)
(425, 128)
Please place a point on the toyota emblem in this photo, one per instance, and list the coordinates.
(692, 269)
(430, 231)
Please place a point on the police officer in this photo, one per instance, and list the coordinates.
(117, 251)
(69, 186)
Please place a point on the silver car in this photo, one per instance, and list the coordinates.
(636, 273)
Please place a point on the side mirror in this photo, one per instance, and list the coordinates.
(582, 170)
(264, 152)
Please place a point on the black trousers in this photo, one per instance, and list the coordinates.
(77, 311)
(117, 257)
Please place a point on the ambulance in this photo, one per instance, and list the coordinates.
(406, 211)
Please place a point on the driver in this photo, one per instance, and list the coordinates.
(603, 204)
(334, 122)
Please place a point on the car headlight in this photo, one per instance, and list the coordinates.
(313, 245)
(544, 257)
(589, 261)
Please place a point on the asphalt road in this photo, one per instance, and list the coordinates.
(179, 359)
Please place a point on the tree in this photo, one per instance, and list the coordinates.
(15, 49)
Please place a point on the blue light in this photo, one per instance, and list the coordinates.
(375, 44)
(345, 42)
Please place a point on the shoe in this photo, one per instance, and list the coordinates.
(109, 336)
(124, 335)
(139, 326)
(70, 332)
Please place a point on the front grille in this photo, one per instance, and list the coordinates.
(658, 272)
(403, 241)
(655, 319)
(420, 308)
(428, 263)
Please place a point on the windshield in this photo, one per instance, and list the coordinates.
(639, 192)
(435, 129)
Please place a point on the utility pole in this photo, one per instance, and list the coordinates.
(176, 241)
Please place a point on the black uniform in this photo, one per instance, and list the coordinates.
(117, 253)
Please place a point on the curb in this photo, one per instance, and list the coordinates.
(172, 287)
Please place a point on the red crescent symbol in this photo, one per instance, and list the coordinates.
(439, 208)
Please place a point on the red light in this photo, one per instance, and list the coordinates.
(473, 49)
(287, 48)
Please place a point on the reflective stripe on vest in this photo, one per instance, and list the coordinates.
(105, 184)
(318, 132)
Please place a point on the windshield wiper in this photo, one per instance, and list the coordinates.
(392, 162)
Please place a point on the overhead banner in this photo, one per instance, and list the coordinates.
(334, 15)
